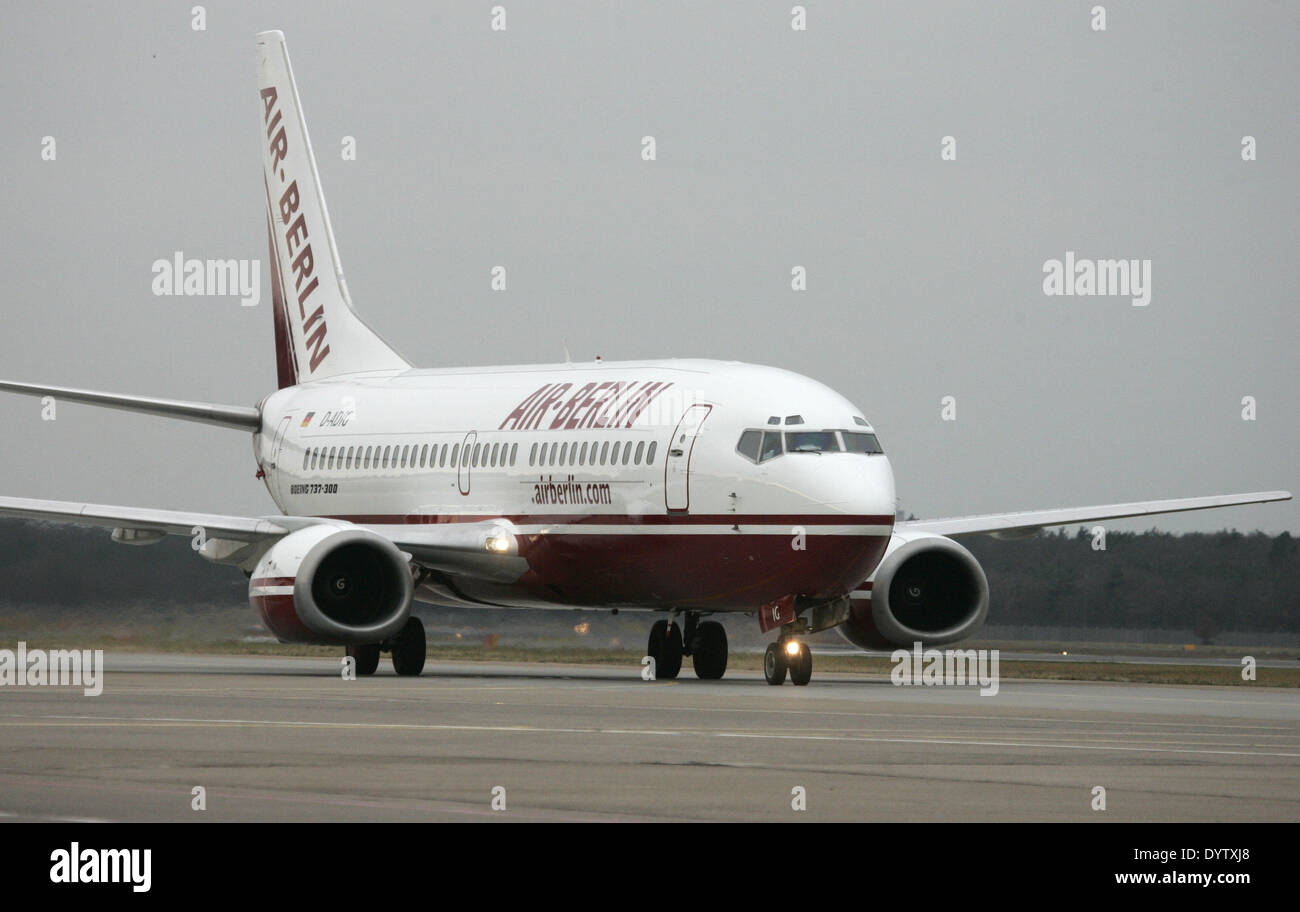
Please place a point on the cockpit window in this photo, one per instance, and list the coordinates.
(771, 446)
(812, 442)
(857, 442)
(748, 446)
(759, 446)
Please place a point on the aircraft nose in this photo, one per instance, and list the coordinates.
(869, 486)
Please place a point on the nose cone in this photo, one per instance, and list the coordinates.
(848, 483)
(871, 486)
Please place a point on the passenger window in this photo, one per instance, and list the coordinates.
(306, 456)
(613, 458)
(771, 446)
(573, 454)
(858, 442)
(347, 462)
(564, 451)
(495, 453)
(514, 451)
(627, 452)
(532, 455)
(650, 453)
(604, 452)
(640, 449)
(424, 455)
(582, 460)
(478, 448)
(749, 445)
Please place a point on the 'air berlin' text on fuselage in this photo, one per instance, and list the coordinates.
(595, 405)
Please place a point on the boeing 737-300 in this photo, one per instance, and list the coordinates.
(689, 487)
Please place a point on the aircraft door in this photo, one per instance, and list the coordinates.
(677, 465)
(465, 465)
(276, 452)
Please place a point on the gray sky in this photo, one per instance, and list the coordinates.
(775, 148)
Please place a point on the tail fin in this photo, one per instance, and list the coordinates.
(317, 334)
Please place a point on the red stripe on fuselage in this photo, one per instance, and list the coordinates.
(718, 571)
(624, 519)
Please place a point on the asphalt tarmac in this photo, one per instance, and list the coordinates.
(289, 739)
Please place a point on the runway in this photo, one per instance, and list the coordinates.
(289, 739)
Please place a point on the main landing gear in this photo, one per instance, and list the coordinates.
(407, 650)
(704, 641)
(787, 654)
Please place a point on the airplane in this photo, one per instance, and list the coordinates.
(695, 488)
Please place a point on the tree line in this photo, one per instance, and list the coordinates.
(1213, 582)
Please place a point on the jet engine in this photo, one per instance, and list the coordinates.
(333, 585)
(927, 589)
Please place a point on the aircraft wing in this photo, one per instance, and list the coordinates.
(1013, 525)
(139, 519)
(487, 550)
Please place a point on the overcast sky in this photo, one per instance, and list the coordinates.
(775, 148)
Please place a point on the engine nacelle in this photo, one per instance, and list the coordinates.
(927, 589)
(332, 585)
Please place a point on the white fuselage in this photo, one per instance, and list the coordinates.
(625, 480)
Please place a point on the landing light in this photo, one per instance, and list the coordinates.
(499, 544)
(792, 647)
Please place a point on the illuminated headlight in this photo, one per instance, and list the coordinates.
(498, 544)
(792, 647)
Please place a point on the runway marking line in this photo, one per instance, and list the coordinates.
(528, 729)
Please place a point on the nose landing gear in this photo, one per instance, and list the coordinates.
(787, 655)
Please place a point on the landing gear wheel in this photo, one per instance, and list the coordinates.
(774, 664)
(665, 647)
(408, 649)
(801, 666)
(366, 657)
(709, 651)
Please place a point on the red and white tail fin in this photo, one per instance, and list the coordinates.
(317, 334)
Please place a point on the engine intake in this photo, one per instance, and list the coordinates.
(332, 584)
(928, 589)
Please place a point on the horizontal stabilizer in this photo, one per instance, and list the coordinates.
(244, 418)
